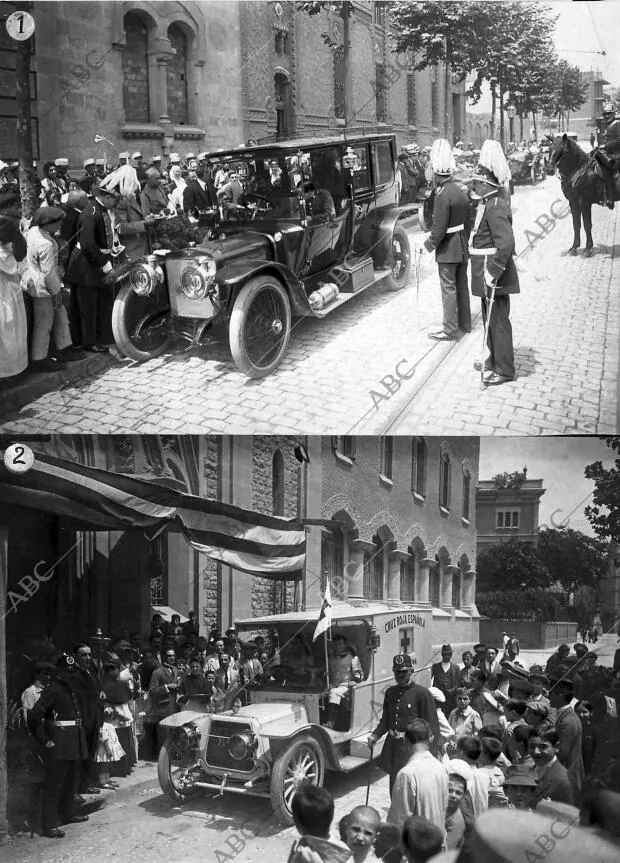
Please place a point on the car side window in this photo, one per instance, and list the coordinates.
(384, 165)
(359, 170)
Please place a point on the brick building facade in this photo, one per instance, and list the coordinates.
(188, 76)
(508, 513)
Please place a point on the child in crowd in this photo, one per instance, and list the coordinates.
(388, 844)
(491, 750)
(108, 749)
(313, 813)
(421, 839)
(359, 830)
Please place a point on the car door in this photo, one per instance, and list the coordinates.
(364, 199)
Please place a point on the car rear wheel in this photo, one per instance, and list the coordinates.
(260, 326)
(142, 329)
(400, 260)
(173, 773)
(302, 763)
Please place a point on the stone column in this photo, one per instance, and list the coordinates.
(393, 575)
(355, 568)
(468, 592)
(446, 586)
(422, 586)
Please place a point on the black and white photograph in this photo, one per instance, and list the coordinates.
(301, 217)
(310, 431)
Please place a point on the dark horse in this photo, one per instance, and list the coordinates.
(581, 186)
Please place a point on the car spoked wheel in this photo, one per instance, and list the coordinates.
(400, 260)
(302, 763)
(177, 772)
(260, 326)
(141, 325)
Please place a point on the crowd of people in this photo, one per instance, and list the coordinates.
(488, 735)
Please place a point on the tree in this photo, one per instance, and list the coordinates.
(534, 604)
(566, 91)
(510, 566)
(604, 514)
(27, 180)
(573, 559)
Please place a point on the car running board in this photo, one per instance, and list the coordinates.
(379, 275)
(350, 762)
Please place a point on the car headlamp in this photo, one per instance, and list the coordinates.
(241, 745)
(186, 737)
(146, 276)
(198, 277)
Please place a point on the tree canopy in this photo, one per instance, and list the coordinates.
(511, 565)
(573, 559)
(604, 513)
(530, 604)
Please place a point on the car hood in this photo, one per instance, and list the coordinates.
(270, 712)
(234, 246)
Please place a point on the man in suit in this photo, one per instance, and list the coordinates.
(56, 723)
(402, 703)
(88, 687)
(568, 728)
(88, 265)
(553, 779)
(491, 668)
(199, 194)
(448, 238)
(163, 688)
(446, 676)
(492, 247)
(227, 681)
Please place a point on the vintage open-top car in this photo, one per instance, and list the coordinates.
(302, 227)
(278, 739)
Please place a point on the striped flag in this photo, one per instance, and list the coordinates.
(325, 616)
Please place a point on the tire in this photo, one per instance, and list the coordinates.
(303, 750)
(260, 326)
(165, 777)
(131, 313)
(400, 260)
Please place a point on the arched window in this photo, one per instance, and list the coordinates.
(387, 452)
(373, 571)
(332, 561)
(434, 585)
(176, 77)
(136, 103)
(407, 580)
(466, 493)
(418, 467)
(282, 92)
(277, 483)
(445, 481)
(456, 589)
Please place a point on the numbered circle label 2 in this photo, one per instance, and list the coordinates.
(18, 458)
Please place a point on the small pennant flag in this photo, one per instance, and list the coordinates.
(325, 617)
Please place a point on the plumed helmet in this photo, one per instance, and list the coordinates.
(494, 163)
(125, 179)
(608, 108)
(441, 158)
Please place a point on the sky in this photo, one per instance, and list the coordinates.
(559, 462)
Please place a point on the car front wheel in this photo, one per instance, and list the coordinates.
(141, 327)
(302, 763)
(174, 773)
(399, 260)
(260, 326)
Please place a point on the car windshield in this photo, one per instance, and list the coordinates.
(290, 658)
(283, 185)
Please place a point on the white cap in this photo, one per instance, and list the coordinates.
(174, 157)
(99, 161)
(136, 155)
(441, 158)
(190, 156)
(461, 768)
(88, 162)
(61, 163)
(202, 156)
(123, 155)
(156, 157)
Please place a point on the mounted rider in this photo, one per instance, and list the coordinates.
(608, 154)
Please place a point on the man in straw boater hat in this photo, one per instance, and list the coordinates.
(493, 272)
(449, 239)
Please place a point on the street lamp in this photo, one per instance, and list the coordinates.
(511, 111)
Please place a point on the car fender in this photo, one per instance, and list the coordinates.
(182, 718)
(237, 273)
(387, 219)
(277, 743)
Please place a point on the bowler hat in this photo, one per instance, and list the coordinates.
(520, 777)
(400, 661)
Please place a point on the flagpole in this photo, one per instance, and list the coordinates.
(326, 660)
(328, 630)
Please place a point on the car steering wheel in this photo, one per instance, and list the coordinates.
(269, 205)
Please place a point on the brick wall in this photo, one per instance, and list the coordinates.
(135, 71)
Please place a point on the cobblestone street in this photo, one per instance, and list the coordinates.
(358, 370)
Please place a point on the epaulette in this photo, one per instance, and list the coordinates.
(440, 190)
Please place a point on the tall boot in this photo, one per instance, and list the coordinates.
(332, 715)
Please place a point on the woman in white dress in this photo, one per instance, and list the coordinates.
(176, 195)
(13, 323)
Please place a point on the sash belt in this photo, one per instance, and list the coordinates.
(455, 229)
(103, 251)
(397, 734)
(483, 251)
(67, 723)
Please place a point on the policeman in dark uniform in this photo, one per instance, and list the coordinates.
(448, 238)
(402, 704)
(56, 723)
(611, 158)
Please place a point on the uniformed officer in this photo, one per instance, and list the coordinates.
(449, 239)
(56, 723)
(611, 135)
(402, 703)
(492, 247)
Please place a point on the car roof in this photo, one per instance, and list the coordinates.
(340, 611)
(300, 144)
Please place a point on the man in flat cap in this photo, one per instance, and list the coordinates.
(62, 178)
(42, 679)
(402, 703)
(446, 676)
(89, 178)
(123, 159)
(100, 168)
(138, 164)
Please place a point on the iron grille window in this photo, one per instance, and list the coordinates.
(332, 560)
(445, 481)
(387, 451)
(411, 99)
(277, 483)
(466, 491)
(418, 467)
(373, 572)
(434, 586)
(407, 580)
(456, 590)
(380, 93)
(345, 445)
(434, 103)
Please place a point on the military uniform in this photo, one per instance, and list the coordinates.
(448, 238)
(401, 705)
(56, 717)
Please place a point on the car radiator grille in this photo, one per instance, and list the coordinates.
(217, 752)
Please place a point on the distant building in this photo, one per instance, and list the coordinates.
(509, 512)
(586, 119)
(608, 593)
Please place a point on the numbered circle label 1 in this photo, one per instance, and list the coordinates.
(20, 26)
(18, 458)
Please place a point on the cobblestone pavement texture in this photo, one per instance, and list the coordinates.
(358, 368)
(146, 826)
